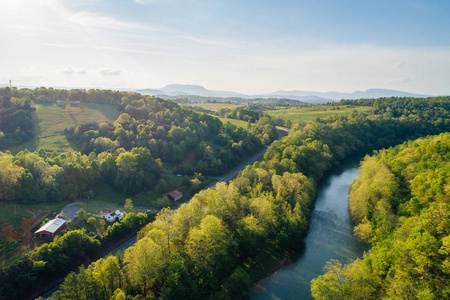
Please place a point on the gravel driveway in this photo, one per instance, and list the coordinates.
(70, 210)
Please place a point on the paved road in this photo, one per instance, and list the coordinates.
(70, 209)
(283, 129)
(123, 247)
(241, 167)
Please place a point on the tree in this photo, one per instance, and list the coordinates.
(118, 295)
(163, 221)
(127, 173)
(128, 205)
(81, 214)
(143, 261)
(9, 177)
(208, 244)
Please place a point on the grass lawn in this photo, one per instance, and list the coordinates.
(51, 120)
(105, 195)
(97, 209)
(14, 213)
(237, 123)
(310, 113)
(213, 106)
(17, 224)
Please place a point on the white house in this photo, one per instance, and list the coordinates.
(112, 215)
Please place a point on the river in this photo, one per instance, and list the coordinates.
(330, 236)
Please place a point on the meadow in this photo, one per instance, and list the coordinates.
(235, 122)
(321, 111)
(292, 114)
(51, 120)
(216, 106)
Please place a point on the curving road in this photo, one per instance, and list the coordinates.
(242, 166)
(71, 210)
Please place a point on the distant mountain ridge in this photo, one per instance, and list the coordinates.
(174, 90)
(186, 90)
(370, 93)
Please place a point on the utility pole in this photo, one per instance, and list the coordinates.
(10, 83)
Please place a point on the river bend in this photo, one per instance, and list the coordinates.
(330, 236)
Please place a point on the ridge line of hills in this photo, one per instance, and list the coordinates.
(198, 93)
(180, 90)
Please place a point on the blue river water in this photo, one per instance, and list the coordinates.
(330, 236)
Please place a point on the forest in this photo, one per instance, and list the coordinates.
(128, 154)
(214, 245)
(400, 205)
(124, 154)
(33, 177)
(170, 131)
(16, 119)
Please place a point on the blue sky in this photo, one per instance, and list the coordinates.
(243, 46)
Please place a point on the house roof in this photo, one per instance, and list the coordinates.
(173, 194)
(115, 213)
(52, 225)
(106, 211)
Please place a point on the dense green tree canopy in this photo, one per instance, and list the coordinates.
(400, 204)
(206, 247)
(266, 207)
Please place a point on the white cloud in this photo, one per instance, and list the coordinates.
(401, 80)
(65, 46)
(100, 20)
(146, 52)
(70, 71)
(109, 72)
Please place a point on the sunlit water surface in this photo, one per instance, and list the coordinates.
(330, 236)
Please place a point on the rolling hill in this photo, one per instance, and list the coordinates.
(180, 90)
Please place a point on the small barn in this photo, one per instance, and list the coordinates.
(50, 229)
(173, 196)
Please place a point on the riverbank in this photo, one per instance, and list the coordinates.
(330, 236)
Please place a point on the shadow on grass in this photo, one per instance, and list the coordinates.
(111, 112)
(31, 145)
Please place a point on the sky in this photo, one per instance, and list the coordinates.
(247, 46)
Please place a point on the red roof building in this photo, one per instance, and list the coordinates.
(174, 195)
(50, 229)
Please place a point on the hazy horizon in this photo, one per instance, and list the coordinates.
(250, 47)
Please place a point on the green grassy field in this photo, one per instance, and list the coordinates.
(17, 224)
(106, 195)
(213, 106)
(310, 113)
(14, 213)
(291, 114)
(238, 123)
(97, 209)
(51, 120)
